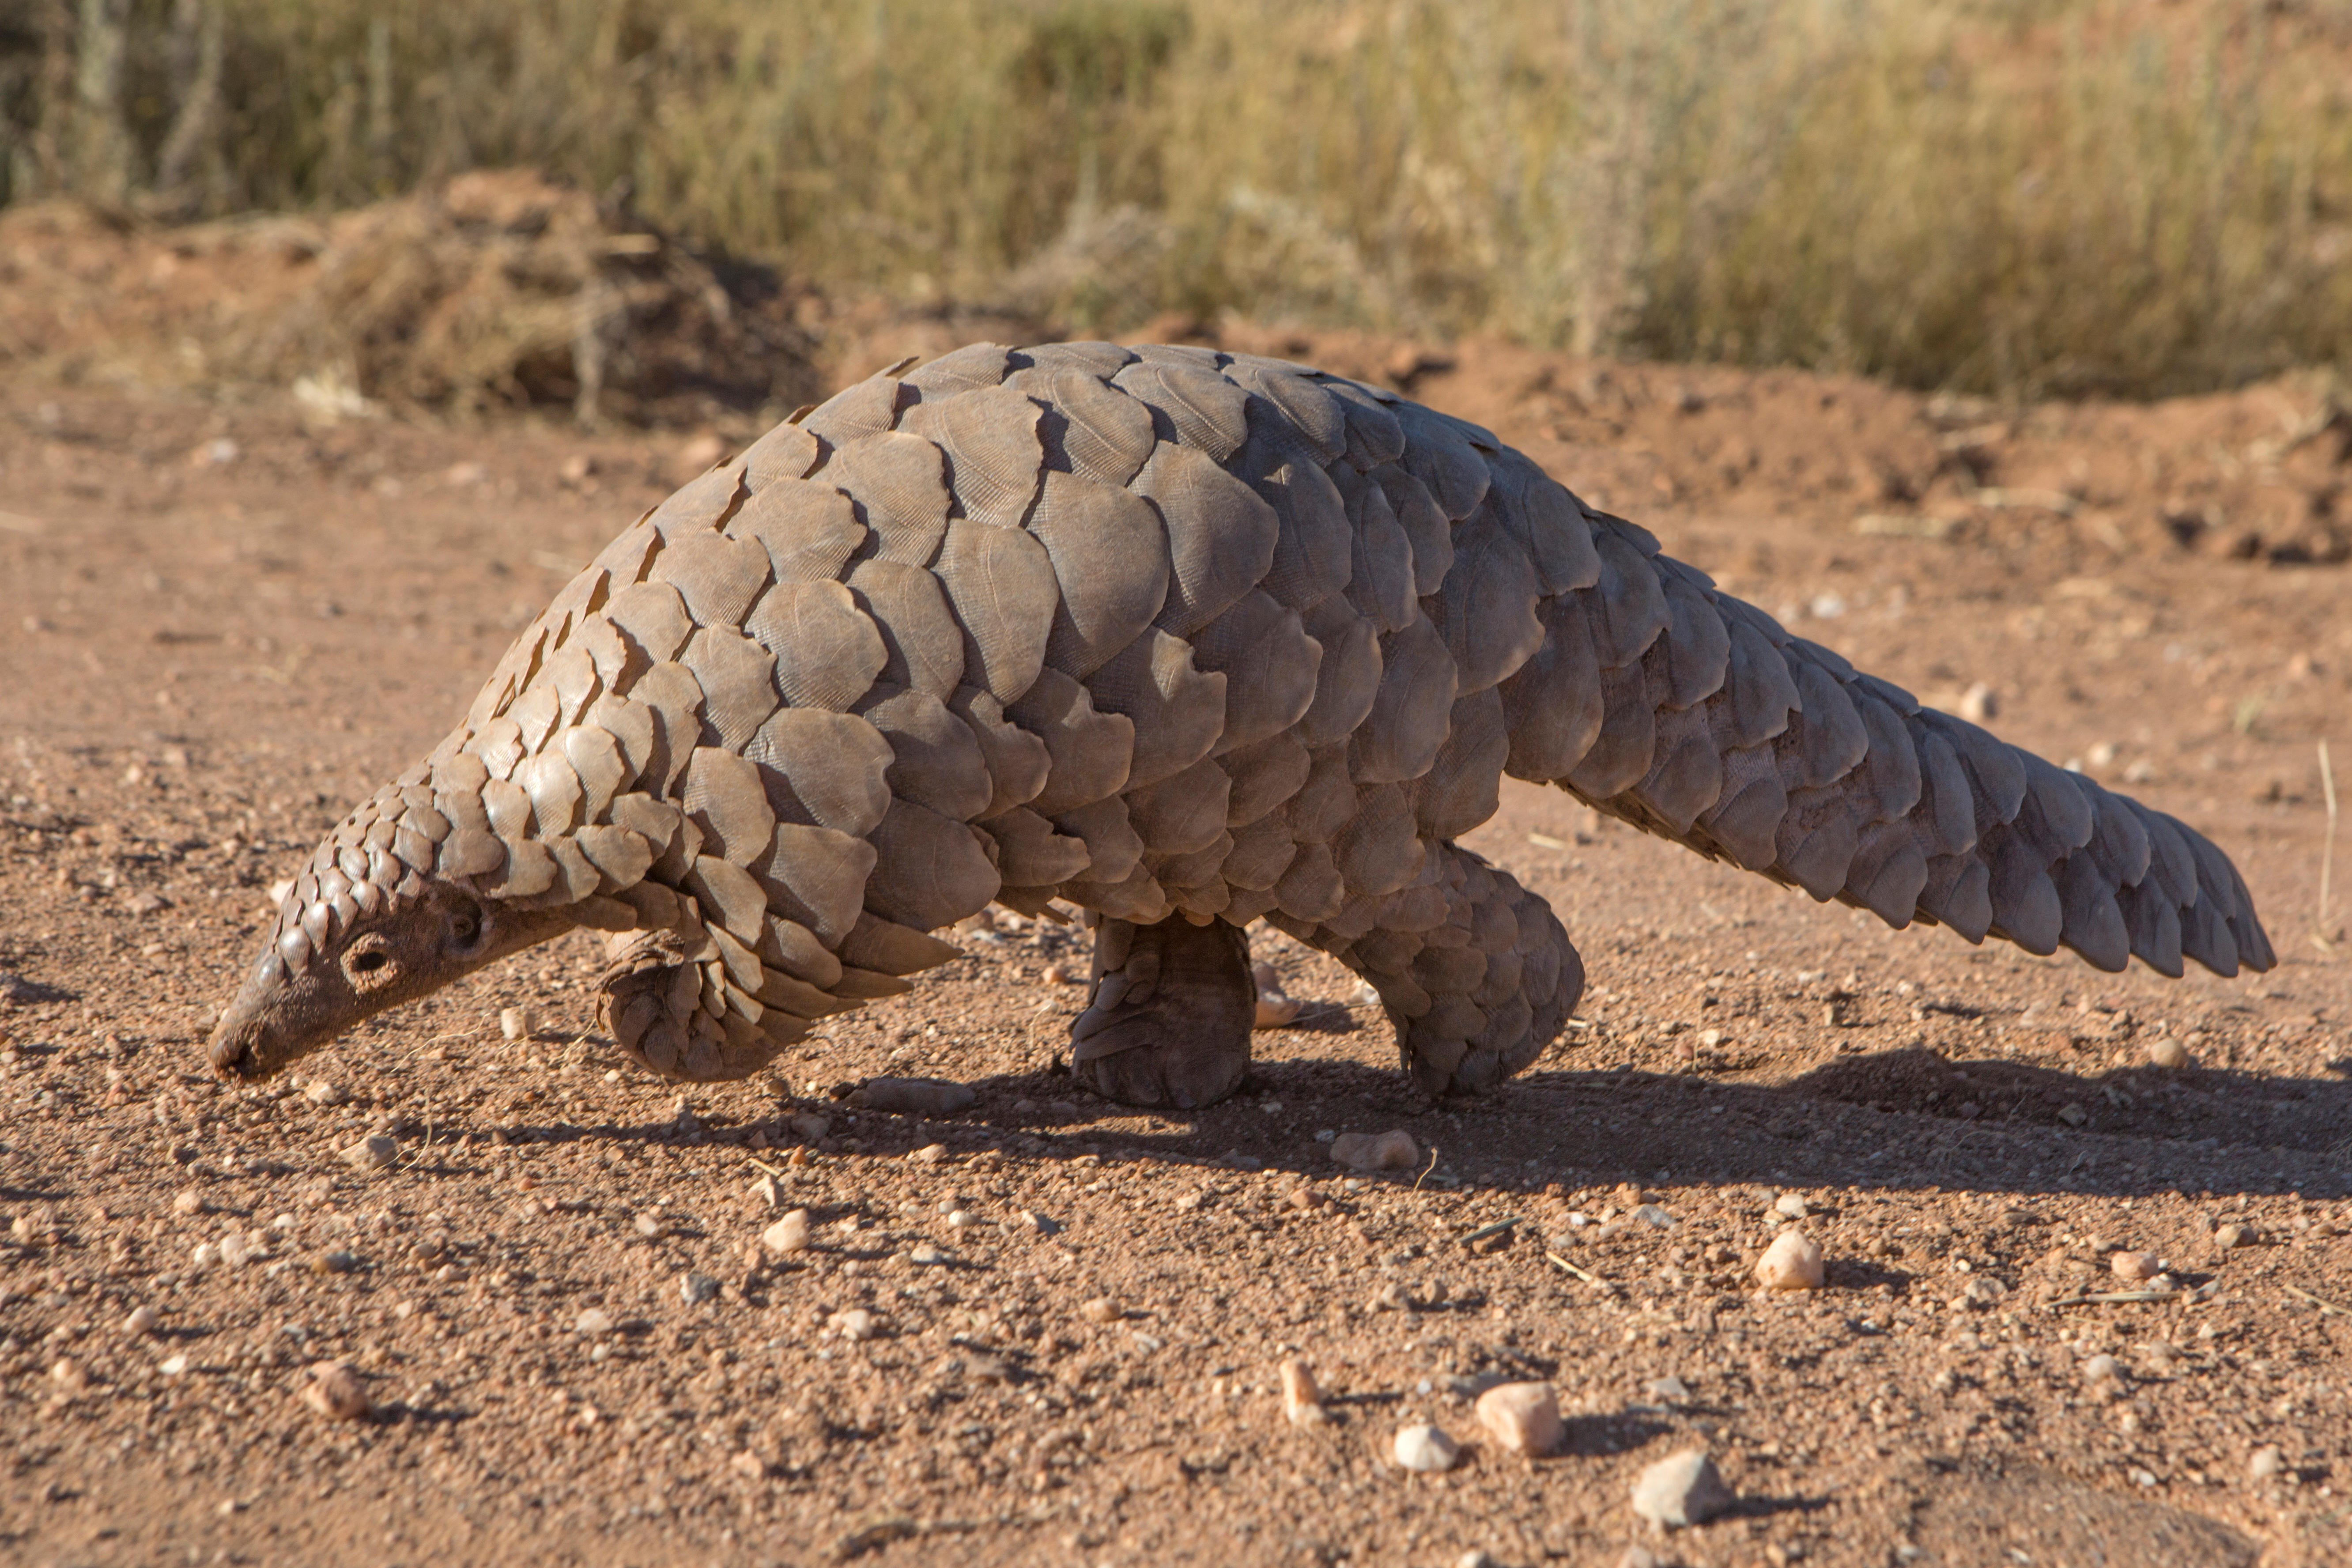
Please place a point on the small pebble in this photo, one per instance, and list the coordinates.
(336, 1392)
(592, 1322)
(141, 1321)
(1062, 975)
(929, 1154)
(1101, 1309)
(1681, 1489)
(1276, 1011)
(768, 1192)
(790, 1234)
(2234, 1235)
(188, 1200)
(694, 1290)
(1389, 1297)
(857, 1325)
(1392, 1150)
(1302, 1402)
(236, 1251)
(926, 1256)
(515, 1023)
(2265, 1463)
(809, 1125)
(1638, 1557)
(1479, 1559)
(1668, 1388)
(2167, 1052)
(1041, 1225)
(914, 1096)
(67, 1374)
(1790, 1207)
(2135, 1268)
(2101, 1369)
(1426, 1450)
(377, 1152)
(959, 1220)
(318, 1091)
(1793, 1262)
(1524, 1418)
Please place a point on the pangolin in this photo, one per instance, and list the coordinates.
(1185, 638)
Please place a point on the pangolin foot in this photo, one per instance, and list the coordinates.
(1167, 1020)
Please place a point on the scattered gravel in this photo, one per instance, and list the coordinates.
(914, 1096)
(1302, 1401)
(376, 1152)
(1680, 1490)
(337, 1392)
(1793, 1262)
(1426, 1450)
(790, 1234)
(1523, 1417)
(1392, 1150)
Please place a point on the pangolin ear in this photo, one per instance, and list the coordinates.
(466, 926)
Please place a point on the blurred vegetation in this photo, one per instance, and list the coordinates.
(2076, 196)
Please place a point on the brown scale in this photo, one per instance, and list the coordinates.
(1187, 639)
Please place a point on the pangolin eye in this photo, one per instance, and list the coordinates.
(369, 962)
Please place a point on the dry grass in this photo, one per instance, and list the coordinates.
(2085, 195)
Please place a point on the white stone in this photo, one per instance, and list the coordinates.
(1793, 1262)
(2135, 1268)
(1791, 1206)
(336, 1392)
(1426, 1450)
(1681, 1489)
(2265, 1463)
(1523, 1417)
(857, 1325)
(790, 1234)
(2101, 1369)
(515, 1023)
(374, 1154)
(1392, 1150)
(1302, 1401)
(141, 1321)
(2167, 1052)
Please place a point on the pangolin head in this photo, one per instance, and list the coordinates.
(344, 949)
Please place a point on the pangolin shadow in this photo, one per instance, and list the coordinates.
(1887, 1120)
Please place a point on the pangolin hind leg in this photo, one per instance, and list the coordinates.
(1477, 973)
(1169, 1013)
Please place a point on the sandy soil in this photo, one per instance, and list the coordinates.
(222, 624)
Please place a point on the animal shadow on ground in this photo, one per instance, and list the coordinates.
(1893, 1120)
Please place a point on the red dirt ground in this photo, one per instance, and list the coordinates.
(222, 624)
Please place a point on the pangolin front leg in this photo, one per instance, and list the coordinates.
(1169, 1013)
